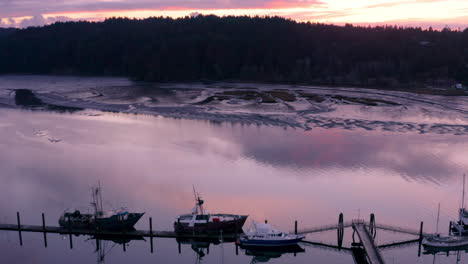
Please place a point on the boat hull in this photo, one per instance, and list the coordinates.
(112, 223)
(230, 227)
(436, 244)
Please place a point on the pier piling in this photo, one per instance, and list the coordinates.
(19, 228)
(421, 230)
(420, 238)
(71, 241)
(295, 227)
(44, 229)
(151, 233)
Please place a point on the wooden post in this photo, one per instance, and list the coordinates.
(44, 229)
(420, 237)
(19, 228)
(450, 228)
(151, 233)
(124, 247)
(421, 230)
(295, 227)
(71, 241)
(266, 221)
(237, 249)
(180, 250)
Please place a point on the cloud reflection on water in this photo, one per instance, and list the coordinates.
(149, 164)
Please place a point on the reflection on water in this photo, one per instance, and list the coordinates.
(150, 163)
(262, 255)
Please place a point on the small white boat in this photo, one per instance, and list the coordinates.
(460, 227)
(445, 242)
(264, 235)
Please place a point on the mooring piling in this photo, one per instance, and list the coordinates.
(44, 229)
(151, 233)
(295, 227)
(421, 230)
(19, 228)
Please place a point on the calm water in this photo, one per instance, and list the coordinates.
(49, 162)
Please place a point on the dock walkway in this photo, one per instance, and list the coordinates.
(367, 242)
(93, 232)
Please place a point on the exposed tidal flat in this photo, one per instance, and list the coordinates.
(312, 153)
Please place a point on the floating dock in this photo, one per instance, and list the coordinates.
(134, 233)
(364, 251)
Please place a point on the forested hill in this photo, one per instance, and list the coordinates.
(6, 31)
(270, 49)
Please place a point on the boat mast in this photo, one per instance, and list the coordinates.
(438, 216)
(94, 202)
(97, 200)
(100, 196)
(463, 193)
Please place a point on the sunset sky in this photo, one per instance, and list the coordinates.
(424, 13)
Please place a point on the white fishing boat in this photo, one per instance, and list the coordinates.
(264, 235)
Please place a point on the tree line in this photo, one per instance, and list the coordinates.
(239, 48)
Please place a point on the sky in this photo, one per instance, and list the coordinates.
(420, 13)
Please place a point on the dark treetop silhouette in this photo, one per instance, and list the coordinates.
(263, 49)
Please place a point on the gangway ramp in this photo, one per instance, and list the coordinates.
(367, 242)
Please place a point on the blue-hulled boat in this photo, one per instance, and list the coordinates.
(264, 235)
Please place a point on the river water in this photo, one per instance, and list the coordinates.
(49, 161)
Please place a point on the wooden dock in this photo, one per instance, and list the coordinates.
(364, 251)
(93, 232)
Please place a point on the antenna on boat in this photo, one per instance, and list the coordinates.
(199, 202)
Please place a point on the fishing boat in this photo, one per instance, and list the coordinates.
(201, 221)
(264, 235)
(115, 220)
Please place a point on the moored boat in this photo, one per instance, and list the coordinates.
(443, 243)
(264, 235)
(201, 221)
(460, 227)
(116, 220)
